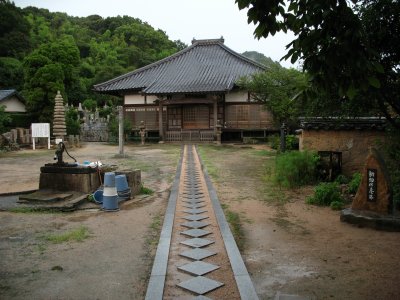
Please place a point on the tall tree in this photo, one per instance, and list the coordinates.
(278, 88)
(14, 30)
(11, 73)
(337, 47)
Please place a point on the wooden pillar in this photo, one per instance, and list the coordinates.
(215, 111)
(160, 121)
(121, 130)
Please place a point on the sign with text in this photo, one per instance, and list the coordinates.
(40, 130)
(372, 185)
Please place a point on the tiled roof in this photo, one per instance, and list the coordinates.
(362, 123)
(205, 66)
(4, 94)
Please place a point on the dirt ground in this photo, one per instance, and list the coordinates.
(294, 248)
(289, 247)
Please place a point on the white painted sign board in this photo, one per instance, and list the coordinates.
(40, 130)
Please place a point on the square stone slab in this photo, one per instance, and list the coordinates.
(197, 253)
(193, 193)
(195, 232)
(198, 268)
(188, 198)
(195, 211)
(194, 205)
(193, 202)
(197, 242)
(195, 218)
(200, 285)
(195, 224)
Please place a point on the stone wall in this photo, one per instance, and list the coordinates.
(353, 144)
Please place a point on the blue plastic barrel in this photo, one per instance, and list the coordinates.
(98, 196)
(110, 203)
(121, 183)
(109, 179)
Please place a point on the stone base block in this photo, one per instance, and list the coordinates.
(370, 219)
(85, 183)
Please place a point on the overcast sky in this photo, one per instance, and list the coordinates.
(180, 19)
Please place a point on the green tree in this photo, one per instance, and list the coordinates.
(14, 30)
(11, 73)
(344, 56)
(72, 121)
(4, 119)
(42, 81)
(89, 104)
(279, 88)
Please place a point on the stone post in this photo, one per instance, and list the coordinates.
(142, 131)
(219, 132)
(121, 130)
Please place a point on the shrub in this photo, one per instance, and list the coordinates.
(354, 183)
(72, 122)
(292, 142)
(293, 169)
(325, 193)
(337, 205)
(341, 179)
(90, 104)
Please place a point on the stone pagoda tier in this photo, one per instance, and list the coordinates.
(59, 127)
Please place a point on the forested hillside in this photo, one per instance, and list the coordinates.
(42, 52)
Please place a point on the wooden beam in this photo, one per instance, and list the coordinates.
(160, 121)
(215, 111)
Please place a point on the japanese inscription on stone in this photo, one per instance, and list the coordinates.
(372, 186)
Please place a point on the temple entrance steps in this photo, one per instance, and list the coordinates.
(190, 136)
(197, 257)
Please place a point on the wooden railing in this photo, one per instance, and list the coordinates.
(190, 136)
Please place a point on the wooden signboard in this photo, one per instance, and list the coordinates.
(40, 130)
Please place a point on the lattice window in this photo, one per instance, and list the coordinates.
(242, 112)
(190, 114)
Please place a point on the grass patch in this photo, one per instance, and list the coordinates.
(154, 232)
(145, 190)
(78, 235)
(264, 153)
(233, 218)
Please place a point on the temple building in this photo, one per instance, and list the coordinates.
(184, 96)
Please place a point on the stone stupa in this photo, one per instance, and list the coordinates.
(59, 127)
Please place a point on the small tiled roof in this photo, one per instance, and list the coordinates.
(362, 123)
(4, 94)
(205, 66)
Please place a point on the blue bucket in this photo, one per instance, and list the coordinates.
(110, 203)
(109, 179)
(121, 183)
(98, 196)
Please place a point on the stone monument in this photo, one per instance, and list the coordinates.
(373, 204)
(59, 127)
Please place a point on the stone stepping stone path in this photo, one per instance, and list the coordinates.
(197, 257)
